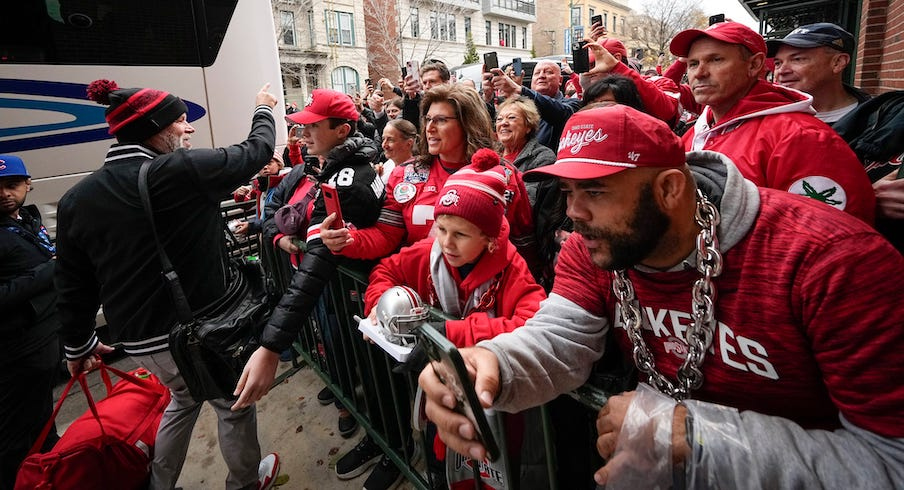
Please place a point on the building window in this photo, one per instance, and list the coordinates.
(575, 16)
(287, 27)
(614, 23)
(312, 76)
(605, 19)
(312, 36)
(345, 79)
(507, 35)
(590, 13)
(340, 28)
(442, 26)
(489, 33)
(467, 26)
(414, 18)
(524, 38)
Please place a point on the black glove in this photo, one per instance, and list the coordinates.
(417, 360)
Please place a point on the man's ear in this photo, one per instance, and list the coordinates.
(756, 64)
(344, 130)
(28, 183)
(840, 61)
(669, 187)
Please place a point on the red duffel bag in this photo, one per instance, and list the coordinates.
(110, 446)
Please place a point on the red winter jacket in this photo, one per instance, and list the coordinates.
(517, 298)
(773, 138)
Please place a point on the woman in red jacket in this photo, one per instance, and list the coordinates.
(470, 270)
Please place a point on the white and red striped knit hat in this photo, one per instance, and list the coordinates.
(476, 193)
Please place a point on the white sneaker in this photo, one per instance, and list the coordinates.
(267, 471)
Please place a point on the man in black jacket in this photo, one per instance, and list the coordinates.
(108, 256)
(29, 348)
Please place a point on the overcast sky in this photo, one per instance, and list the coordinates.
(731, 8)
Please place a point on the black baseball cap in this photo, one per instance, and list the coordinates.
(815, 35)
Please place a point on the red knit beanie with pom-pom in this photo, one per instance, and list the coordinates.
(476, 193)
(136, 114)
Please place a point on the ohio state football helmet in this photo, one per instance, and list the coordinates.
(400, 312)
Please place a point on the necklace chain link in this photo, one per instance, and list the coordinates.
(699, 335)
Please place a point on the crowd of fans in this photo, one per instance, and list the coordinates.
(560, 230)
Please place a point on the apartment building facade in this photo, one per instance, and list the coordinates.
(322, 44)
(564, 22)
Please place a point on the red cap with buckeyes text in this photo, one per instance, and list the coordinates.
(727, 32)
(476, 193)
(325, 104)
(603, 141)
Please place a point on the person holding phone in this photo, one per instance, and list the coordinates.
(751, 391)
(330, 131)
(426, 76)
(469, 270)
(544, 91)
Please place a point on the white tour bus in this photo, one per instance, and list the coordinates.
(214, 54)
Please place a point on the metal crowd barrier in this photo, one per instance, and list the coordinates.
(360, 373)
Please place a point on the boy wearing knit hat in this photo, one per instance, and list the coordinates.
(107, 255)
(469, 270)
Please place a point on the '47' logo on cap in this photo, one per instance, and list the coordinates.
(633, 156)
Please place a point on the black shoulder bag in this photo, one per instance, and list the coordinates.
(212, 347)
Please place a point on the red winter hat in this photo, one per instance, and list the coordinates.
(615, 47)
(603, 141)
(136, 114)
(476, 193)
(727, 32)
(325, 104)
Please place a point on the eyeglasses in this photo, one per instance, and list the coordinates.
(510, 118)
(438, 120)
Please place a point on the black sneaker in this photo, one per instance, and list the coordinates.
(348, 425)
(358, 460)
(325, 397)
(386, 475)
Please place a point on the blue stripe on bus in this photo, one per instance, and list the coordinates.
(21, 138)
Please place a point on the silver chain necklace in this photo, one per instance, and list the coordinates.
(700, 334)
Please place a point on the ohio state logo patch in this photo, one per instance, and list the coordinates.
(822, 189)
(450, 198)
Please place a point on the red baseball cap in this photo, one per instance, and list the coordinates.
(614, 46)
(606, 140)
(727, 32)
(325, 104)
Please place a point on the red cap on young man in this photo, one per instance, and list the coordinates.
(603, 141)
(325, 104)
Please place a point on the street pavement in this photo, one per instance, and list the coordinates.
(291, 423)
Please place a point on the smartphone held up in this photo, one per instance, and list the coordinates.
(490, 61)
(580, 57)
